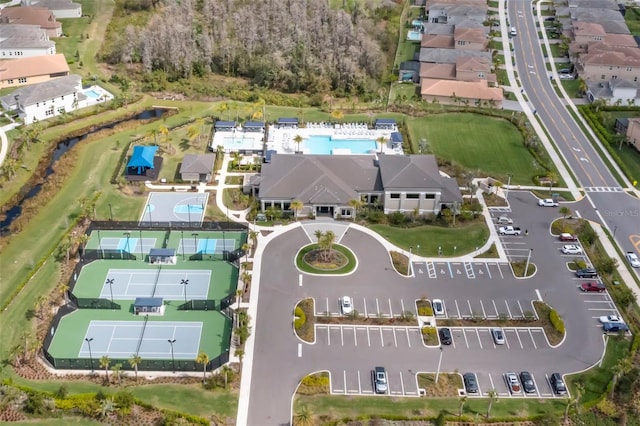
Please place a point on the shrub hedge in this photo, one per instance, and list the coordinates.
(556, 321)
(301, 318)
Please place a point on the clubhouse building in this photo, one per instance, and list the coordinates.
(327, 184)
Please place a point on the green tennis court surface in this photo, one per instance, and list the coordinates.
(172, 284)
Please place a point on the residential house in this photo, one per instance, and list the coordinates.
(437, 41)
(613, 63)
(479, 3)
(614, 92)
(443, 13)
(326, 184)
(449, 56)
(633, 132)
(453, 92)
(48, 99)
(471, 39)
(60, 8)
(594, 4)
(612, 21)
(197, 167)
(19, 72)
(40, 16)
(464, 69)
(24, 41)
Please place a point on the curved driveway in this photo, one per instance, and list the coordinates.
(280, 360)
(614, 207)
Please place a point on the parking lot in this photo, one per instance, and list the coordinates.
(461, 270)
(488, 381)
(369, 336)
(488, 308)
(518, 339)
(367, 306)
(360, 382)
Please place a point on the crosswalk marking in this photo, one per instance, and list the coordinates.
(469, 267)
(603, 189)
(500, 209)
(431, 270)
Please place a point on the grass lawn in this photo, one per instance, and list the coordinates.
(181, 145)
(407, 49)
(571, 87)
(491, 146)
(402, 92)
(632, 19)
(595, 381)
(340, 407)
(631, 158)
(465, 239)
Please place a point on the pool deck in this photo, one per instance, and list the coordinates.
(282, 141)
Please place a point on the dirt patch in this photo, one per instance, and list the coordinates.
(325, 260)
(492, 200)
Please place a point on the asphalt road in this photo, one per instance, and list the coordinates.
(618, 210)
(349, 353)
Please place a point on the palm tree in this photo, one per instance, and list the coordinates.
(355, 204)
(193, 132)
(296, 206)
(10, 167)
(134, 361)
(493, 396)
(318, 234)
(623, 366)
(298, 140)
(203, 359)
(552, 176)
(303, 417)
(224, 107)
(330, 239)
(598, 103)
(226, 370)
(240, 354)
(461, 403)
(337, 115)
(565, 212)
(245, 248)
(381, 141)
(105, 361)
(82, 240)
(154, 134)
(117, 368)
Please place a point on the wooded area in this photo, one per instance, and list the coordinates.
(287, 45)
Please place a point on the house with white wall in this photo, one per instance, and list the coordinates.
(24, 41)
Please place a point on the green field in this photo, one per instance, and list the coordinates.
(490, 146)
(465, 239)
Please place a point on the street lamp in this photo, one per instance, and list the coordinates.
(89, 340)
(615, 228)
(454, 251)
(128, 235)
(141, 246)
(189, 213)
(506, 190)
(110, 213)
(173, 361)
(110, 282)
(182, 243)
(195, 242)
(439, 363)
(149, 212)
(100, 244)
(185, 283)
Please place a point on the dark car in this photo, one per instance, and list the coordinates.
(614, 327)
(379, 380)
(527, 382)
(586, 273)
(445, 336)
(470, 382)
(588, 287)
(557, 384)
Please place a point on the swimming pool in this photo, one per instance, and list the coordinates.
(324, 145)
(92, 94)
(414, 35)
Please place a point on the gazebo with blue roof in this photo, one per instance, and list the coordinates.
(143, 163)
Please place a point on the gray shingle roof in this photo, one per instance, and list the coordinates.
(57, 4)
(23, 36)
(448, 56)
(45, 91)
(409, 171)
(318, 178)
(198, 163)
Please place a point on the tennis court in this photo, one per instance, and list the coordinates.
(148, 339)
(191, 245)
(170, 284)
(127, 244)
(175, 207)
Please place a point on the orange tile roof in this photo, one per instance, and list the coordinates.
(588, 28)
(468, 63)
(470, 34)
(462, 89)
(437, 40)
(438, 71)
(626, 40)
(30, 16)
(34, 66)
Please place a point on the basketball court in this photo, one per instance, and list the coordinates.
(170, 284)
(148, 339)
(186, 207)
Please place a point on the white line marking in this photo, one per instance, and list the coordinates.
(408, 338)
(381, 338)
(342, 335)
(464, 333)
(299, 350)
(300, 280)
(377, 307)
(519, 340)
(365, 307)
(470, 310)
(484, 314)
(508, 310)
(495, 308)
(539, 295)
(457, 309)
(533, 340)
(402, 383)
(368, 338)
(390, 309)
(355, 336)
(486, 265)
(359, 383)
(478, 336)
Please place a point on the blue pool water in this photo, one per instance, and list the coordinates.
(414, 35)
(92, 94)
(323, 145)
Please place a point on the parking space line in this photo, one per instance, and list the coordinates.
(478, 336)
(368, 338)
(402, 383)
(377, 307)
(500, 270)
(390, 309)
(469, 269)
(464, 333)
(484, 314)
(486, 265)
(495, 308)
(450, 271)
(457, 309)
(359, 383)
(519, 340)
(402, 306)
(327, 311)
(535, 385)
(344, 377)
(470, 310)
(381, 337)
(365, 307)
(521, 310)
(395, 339)
(328, 337)
(342, 335)
(431, 270)
(532, 339)
(491, 380)
(355, 337)
(506, 341)
(408, 339)
(508, 310)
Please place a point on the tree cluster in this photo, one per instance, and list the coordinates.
(291, 46)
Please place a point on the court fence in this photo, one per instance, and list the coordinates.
(92, 302)
(108, 225)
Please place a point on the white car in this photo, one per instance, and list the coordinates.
(571, 249)
(566, 77)
(346, 305)
(438, 307)
(611, 318)
(633, 259)
(547, 202)
(512, 382)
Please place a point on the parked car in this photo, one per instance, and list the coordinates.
(438, 307)
(509, 230)
(346, 305)
(498, 336)
(557, 384)
(571, 249)
(633, 259)
(548, 202)
(610, 318)
(445, 336)
(614, 327)
(586, 273)
(512, 382)
(379, 380)
(470, 383)
(504, 220)
(567, 77)
(528, 384)
(565, 236)
(592, 287)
